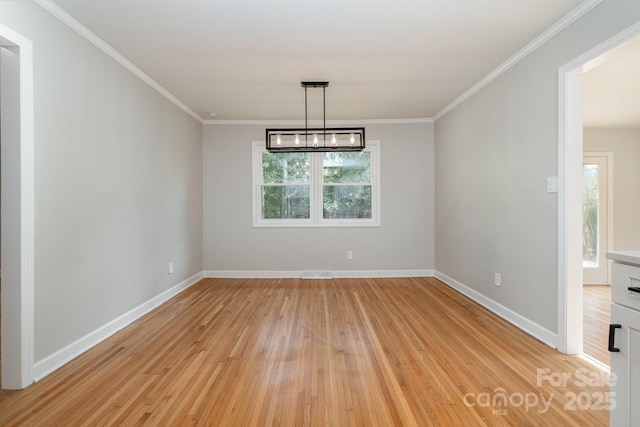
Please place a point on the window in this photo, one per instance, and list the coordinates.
(590, 205)
(334, 189)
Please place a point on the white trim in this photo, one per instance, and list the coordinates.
(49, 364)
(314, 123)
(241, 274)
(569, 19)
(383, 273)
(570, 298)
(528, 326)
(598, 364)
(27, 205)
(75, 25)
(569, 76)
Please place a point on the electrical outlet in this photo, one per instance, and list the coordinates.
(498, 279)
(170, 268)
(349, 254)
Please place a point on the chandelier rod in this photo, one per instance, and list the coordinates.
(323, 85)
(306, 132)
(324, 113)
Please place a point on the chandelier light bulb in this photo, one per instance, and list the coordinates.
(279, 142)
(297, 141)
(352, 141)
(315, 141)
(334, 142)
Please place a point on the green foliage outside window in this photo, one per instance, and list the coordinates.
(288, 194)
(279, 168)
(346, 201)
(347, 167)
(285, 202)
(590, 203)
(346, 185)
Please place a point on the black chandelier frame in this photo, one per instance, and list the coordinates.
(324, 139)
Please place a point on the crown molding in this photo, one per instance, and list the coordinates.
(93, 38)
(319, 122)
(552, 31)
(74, 24)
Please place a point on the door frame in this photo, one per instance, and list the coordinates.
(18, 296)
(570, 149)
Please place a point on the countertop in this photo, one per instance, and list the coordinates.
(627, 257)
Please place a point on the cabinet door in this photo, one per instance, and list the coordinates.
(625, 368)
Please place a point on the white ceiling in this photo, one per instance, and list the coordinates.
(611, 95)
(245, 59)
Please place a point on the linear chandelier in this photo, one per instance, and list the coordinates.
(292, 140)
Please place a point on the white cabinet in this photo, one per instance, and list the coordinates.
(624, 339)
(625, 367)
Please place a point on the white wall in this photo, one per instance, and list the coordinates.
(493, 154)
(403, 242)
(118, 184)
(625, 146)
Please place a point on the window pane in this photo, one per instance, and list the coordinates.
(291, 201)
(281, 168)
(344, 187)
(347, 167)
(590, 205)
(346, 201)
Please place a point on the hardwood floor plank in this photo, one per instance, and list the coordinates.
(295, 352)
(390, 379)
(596, 319)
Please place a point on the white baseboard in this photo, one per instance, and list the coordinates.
(231, 274)
(382, 273)
(528, 326)
(50, 363)
(224, 274)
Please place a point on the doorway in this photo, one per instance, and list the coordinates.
(570, 209)
(597, 239)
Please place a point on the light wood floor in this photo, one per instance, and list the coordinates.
(360, 352)
(596, 319)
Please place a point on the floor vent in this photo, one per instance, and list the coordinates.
(317, 275)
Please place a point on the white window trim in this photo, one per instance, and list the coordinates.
(315, 193)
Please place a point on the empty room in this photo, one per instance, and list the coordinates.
(314, 213)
